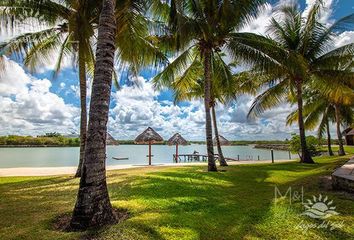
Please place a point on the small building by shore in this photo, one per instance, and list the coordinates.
(349, 136)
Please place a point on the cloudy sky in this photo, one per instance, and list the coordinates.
(33, 103)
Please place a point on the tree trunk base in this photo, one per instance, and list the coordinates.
(223, 162)
(81, 221)
(212, 168)
(78, 173)
(307, 159)
(341, 153)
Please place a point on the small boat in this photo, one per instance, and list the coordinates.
(121, 158)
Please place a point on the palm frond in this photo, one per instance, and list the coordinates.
(270, 98)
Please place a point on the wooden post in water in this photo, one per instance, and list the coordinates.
(258, 157)
(272, 153)
(149, 152)
(238, 157)
(177, 153)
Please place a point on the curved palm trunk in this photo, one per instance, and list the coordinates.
(208, 128)
(305, 154)
(221, 155)
(330, 152)
(341, 151)
(93, 207)
(83, 117)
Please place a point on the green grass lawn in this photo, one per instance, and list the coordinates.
(183, 203)
(347, 149)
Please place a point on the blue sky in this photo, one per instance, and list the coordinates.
(35, 103)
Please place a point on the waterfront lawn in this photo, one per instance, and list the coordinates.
(183, 203)
(347, 149)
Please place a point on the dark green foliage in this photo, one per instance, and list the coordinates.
(312, 144)
(13, 140)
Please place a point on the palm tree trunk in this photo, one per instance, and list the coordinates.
(207, 100)
(221, 155)
(305, 154)
(341, 151)
(330, 152)
(93, 207)
(83, 117)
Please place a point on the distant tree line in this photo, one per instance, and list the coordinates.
(45, 140)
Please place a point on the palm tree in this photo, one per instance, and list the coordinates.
(93, 207)
(75, 34)
(225, 87)
(319, 112)
(295, 56)
(118, 27)
(70, 30)
(204, 28)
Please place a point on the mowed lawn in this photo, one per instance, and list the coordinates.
(183, 203)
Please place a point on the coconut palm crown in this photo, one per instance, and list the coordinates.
(298, 54)
(204, 29)
(70, 28)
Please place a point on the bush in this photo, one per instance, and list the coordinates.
(38, 141)
(311, 142)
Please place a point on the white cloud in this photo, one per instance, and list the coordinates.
(28, 106)
(344, 38)
(138, 107)
(326, 10)
(259, 24)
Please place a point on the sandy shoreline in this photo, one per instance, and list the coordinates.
(52, 171)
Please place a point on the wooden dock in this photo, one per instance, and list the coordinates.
(197, 158)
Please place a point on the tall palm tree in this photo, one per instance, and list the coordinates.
(295, 55)
(72, 28)
(319, 112)
(93, 207)
(118, 26)
(225, 87)
(205, 27)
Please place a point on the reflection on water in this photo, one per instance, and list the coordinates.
(68, 156)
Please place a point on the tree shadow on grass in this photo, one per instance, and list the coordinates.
(165, 203)
(212, 205)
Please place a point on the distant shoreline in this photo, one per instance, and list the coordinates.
(278, 147)
(55, 171)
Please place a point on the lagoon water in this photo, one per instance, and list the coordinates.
(68, 156)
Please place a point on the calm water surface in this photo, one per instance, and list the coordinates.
(68, 156)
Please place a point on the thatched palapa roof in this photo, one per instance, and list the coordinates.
(149, 135)
(110, 140)
(350, 133)
(223, 141)
(177, 139)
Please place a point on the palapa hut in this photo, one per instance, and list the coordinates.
(110, 140)
(177, 139)
(349, 136)
(223, 141)
(149, 136)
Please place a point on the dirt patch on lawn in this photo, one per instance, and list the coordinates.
(62, 222)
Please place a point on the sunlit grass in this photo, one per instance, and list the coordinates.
(181, 203)
(347, 149)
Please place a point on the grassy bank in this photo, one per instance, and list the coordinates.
(182, 203)
(347, 149)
